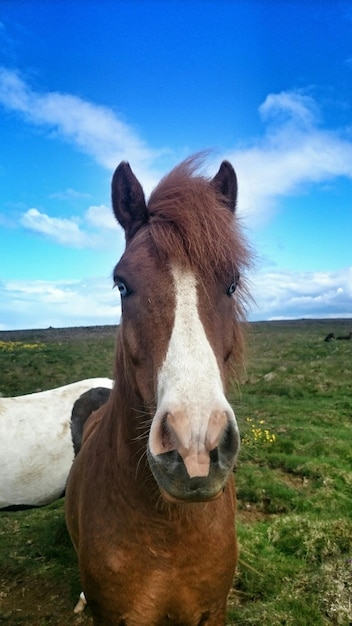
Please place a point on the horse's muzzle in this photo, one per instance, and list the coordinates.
(201, 474)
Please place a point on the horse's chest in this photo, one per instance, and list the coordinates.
(151, 583)
(162, 599)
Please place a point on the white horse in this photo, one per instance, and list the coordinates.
(39, 437)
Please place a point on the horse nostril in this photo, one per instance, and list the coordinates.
(230, 439)
(167, 439)
(214, 455)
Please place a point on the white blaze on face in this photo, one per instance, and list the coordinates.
(191, 401)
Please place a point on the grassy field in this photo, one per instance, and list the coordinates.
(294, 478)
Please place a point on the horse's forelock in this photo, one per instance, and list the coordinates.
(191, 224)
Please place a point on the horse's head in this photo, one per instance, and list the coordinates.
(180, 330)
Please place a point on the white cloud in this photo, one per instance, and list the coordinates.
(294, 153)
(94, 129)
(63, 231)
(70, 232)
(288, 294)
(101, 217)
(40, 304)
(288, 106)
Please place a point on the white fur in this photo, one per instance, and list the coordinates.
(36, 449)
(189, 380)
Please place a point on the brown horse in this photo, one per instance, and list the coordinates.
(150, 499)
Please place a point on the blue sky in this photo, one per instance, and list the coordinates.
(83, 85)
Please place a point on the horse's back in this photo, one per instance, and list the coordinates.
(36, 447)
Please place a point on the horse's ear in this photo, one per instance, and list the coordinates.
(225, 183)
(128, 200)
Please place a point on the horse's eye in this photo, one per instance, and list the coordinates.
(232, 288)
(121, 287)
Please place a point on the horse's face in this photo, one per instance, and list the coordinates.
(177, 333)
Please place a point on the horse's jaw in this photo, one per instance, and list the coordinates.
(172, 500)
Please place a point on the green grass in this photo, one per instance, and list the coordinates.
(39, 543)
(294, 476)
(33, 365)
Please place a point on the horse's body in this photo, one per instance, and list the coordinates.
(36, 443)
(150, 501)
(348, 337)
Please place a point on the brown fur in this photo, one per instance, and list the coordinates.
(144, 561)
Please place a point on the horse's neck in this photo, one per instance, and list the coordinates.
(126, 434)
(131, 415)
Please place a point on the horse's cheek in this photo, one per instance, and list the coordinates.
(131, 343)
(146, 330)
(140, 357)
(221, 335)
